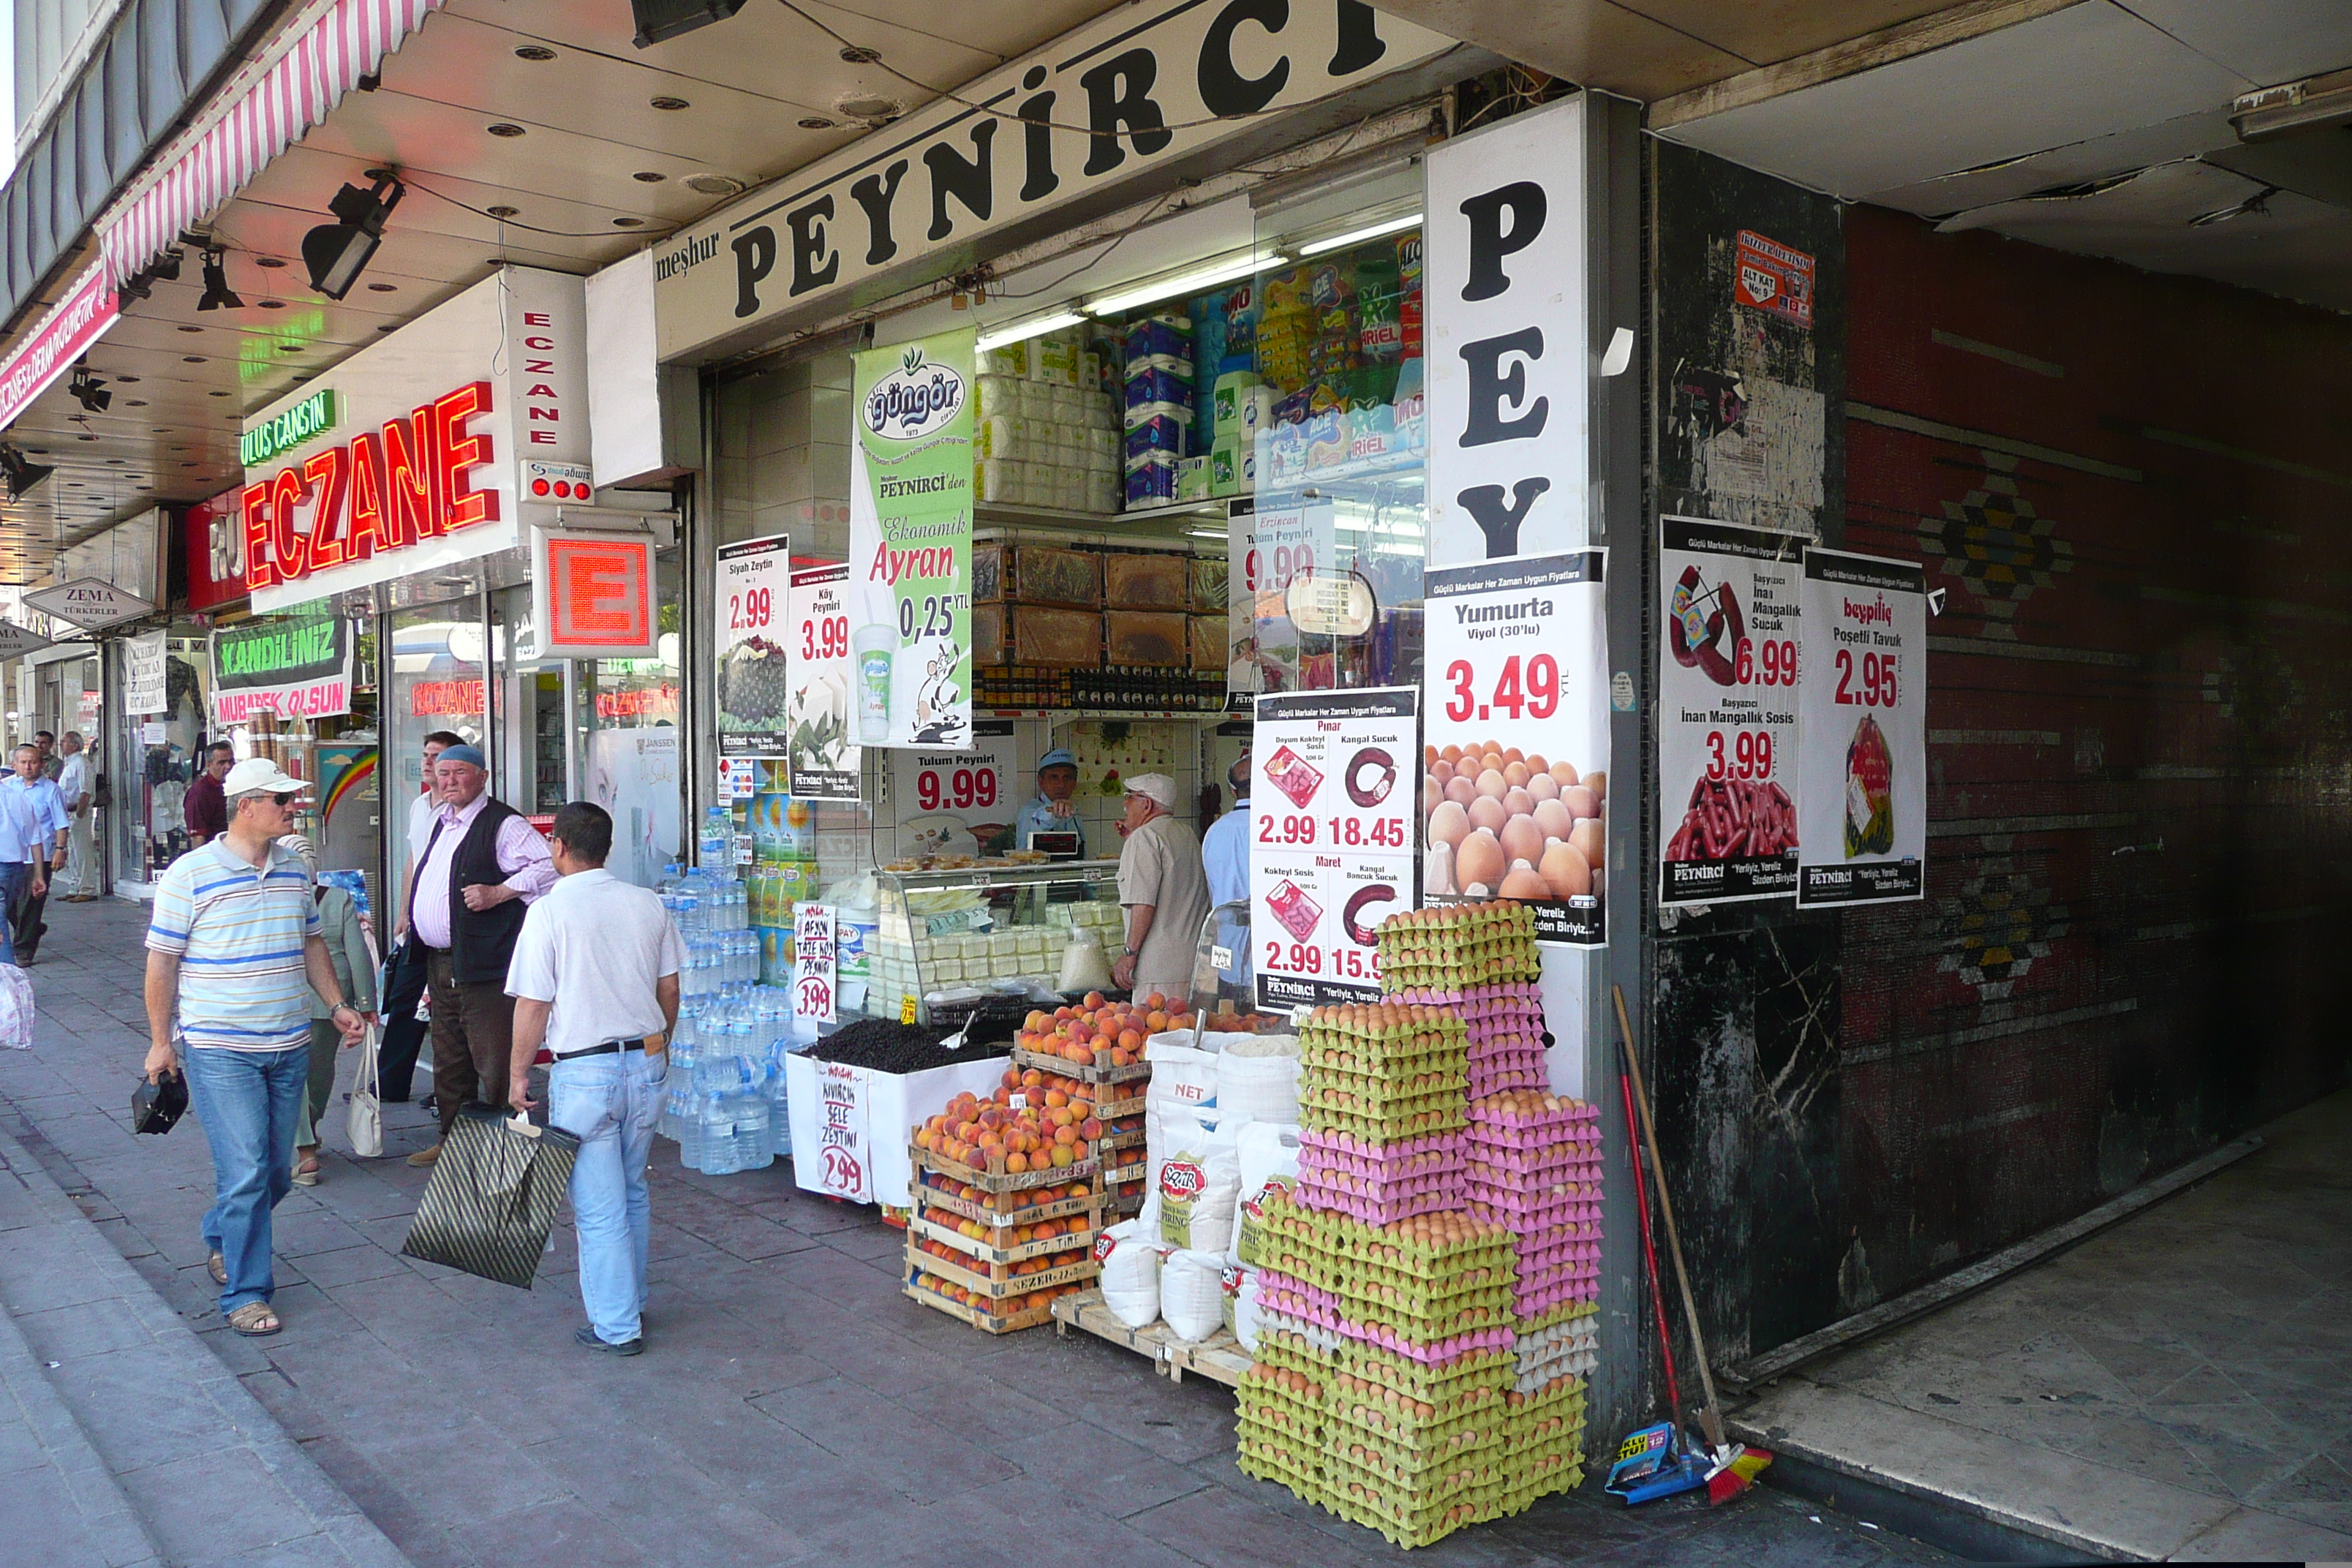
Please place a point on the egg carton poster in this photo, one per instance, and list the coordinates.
(824, 756)
(1862, 732)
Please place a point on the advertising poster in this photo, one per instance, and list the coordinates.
(753, 605)
(1862, 732)
(825, 761)
(1517, 683)
(1726, 711)
(298, 665)
(957, 802)
(1332, 854)
(1507, 355)
(634, 774)
(910, 544)
(1270, 543)
(145, 676)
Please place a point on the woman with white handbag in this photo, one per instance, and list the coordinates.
(353, 953)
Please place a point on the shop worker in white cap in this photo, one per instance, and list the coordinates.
(234, 952)
(1055, 808)
(483, 863)
(1164, 890)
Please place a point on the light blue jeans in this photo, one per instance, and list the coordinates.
(14, 875)
(610, 1103)
(249, 1102)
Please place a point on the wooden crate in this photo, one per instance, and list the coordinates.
(994, 1179)
(987, 1323)
(1101, 1072)
(993, 1279)
(992, 1259)
(1012, 1212)
(1220, 1357)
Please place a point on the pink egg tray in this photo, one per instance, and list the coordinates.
(1489, 1080)
(1572, 1113)
(1496, 998)
(1528, 1303)
(1380, 1210)
(1480, 1143)
(1433, 1354)
(1537, 1254)
(1524, 1212)
(1444, 1152)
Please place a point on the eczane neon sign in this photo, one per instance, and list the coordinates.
(384, 489)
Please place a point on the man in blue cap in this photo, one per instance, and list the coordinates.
(1055, 808)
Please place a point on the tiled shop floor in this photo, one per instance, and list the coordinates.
(793, 1406)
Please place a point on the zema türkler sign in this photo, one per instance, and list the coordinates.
(420, 466)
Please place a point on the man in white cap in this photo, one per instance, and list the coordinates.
(1164, 890)
(1055, 808)
(235, 949)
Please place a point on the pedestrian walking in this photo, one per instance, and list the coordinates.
(52, 765)
(235, 951)
(205, 808)
(49, 809)
(75, 788)
(595, 979)
(21, 862)
(482, 864)
(354, 960)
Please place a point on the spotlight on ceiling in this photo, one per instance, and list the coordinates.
(660, 20)
(19, 475)
(218, 295)
(167, 265)
(336, 253)
(88, 390)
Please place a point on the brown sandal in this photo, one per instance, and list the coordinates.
(306, 1168)
(249, 1319)
(217, 1267)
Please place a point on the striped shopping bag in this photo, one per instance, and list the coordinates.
(492, 1199)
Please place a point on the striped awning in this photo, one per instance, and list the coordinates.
(263, 109)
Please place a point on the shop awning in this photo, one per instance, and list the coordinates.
(263, 109)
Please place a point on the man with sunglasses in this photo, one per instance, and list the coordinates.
(235, 948)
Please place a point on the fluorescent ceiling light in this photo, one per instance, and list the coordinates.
(1355, 237)
(1183, 283)
(1020, 332)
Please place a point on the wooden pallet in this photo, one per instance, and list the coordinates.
(1219, 1358)
(1027, 1318)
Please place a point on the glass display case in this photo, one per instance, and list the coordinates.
(945, 934)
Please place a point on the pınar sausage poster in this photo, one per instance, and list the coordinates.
(1333, 846)
(1514, 781)
(1861, 737)
(1728, 652)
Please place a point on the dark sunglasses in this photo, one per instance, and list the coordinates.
(286, 799)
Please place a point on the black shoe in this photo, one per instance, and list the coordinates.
(586, 1334)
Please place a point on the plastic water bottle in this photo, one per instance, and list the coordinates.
(715, 1114)
(683, 1046)
(752, 1148)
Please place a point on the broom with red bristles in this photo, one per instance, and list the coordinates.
(1736, 1465)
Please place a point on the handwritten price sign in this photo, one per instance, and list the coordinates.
(813, 962)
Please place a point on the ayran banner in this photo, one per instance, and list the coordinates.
(292, 665)
(910, 544)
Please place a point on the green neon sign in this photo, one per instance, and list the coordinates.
(296, 425)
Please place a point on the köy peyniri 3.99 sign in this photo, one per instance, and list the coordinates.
(910, 544)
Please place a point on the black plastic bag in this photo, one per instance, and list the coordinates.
(492, 1199)
(157, 1106)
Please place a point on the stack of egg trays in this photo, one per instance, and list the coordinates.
(1546, 1434)
(1323, 1108)
(1570, 1348)
(1278, 1431)
(1433, 1382)
(1454, 947)
(1382, 1182)
(1408, 1518)
(1494, 1072)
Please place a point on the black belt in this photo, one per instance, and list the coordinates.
(610, 1047)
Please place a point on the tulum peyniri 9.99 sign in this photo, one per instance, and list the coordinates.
(418, 465)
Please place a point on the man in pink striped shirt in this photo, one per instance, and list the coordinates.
(483, 864)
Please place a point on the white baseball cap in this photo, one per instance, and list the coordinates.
(1158, 787)
(260, 775)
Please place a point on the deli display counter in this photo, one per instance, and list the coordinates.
(952, 935)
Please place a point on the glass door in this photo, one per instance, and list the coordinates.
(438, 680)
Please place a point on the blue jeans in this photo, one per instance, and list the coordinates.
(13, 877)
(611, 1103)
(249, 1102)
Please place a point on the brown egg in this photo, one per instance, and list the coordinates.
(1514, 774)
(1432, 795)
(1443, 772)
(1488, 813)
(1450, 754)
(1478, 860)
(1522, 840)
(1536, 764)
(1564, 774)
(1428, 755)
(1518, 802)
(1543, 786)
(1566, 871)
(1554, 818)
(1491, 783)
(1581, 801)
(1589, 839)
(1461, 790)
(1513, 755)
(1598, 783)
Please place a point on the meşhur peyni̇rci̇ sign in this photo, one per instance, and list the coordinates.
(294, 664)
(910, 544)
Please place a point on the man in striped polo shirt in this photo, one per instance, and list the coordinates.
(235, 949)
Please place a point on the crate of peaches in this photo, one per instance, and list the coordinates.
(1010, 1141)
(1099, 1040)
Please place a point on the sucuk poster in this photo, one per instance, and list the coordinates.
(1516, 782)
(1862, 735)
(910, 543)
(1726, 711)
(754, 619)
(825, 762)
(1332, 854)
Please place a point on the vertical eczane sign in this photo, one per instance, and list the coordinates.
(1506, 334)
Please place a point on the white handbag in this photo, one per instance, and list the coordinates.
(365, 1123)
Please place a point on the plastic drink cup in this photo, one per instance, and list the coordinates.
(871, 649)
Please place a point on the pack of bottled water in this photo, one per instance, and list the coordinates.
(726, 1104)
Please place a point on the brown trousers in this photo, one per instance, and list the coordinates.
(473, 1036)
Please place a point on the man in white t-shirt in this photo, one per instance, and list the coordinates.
(74, 787)
(595, 978)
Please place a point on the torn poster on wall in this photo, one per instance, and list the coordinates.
(1771, 277)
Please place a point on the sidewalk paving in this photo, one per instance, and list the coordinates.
(792, 1407)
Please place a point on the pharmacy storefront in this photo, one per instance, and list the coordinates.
(421, 551)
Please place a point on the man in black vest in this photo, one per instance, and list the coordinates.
(482, 864)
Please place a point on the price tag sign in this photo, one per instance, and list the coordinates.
(1516, 675)
(813, 960)
(751, 630)
(825, 763)
(1726, 711)
(957, 802)
(1270, 546)
(1862, 745)
(845, 1164)
(1332, 851)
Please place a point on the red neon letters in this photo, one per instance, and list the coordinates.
(383, 490)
